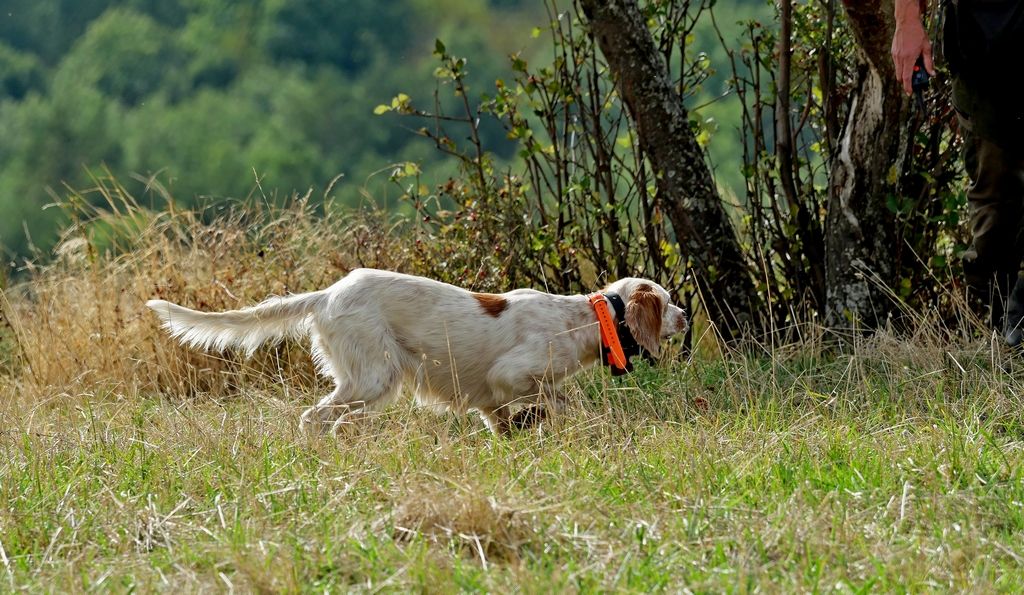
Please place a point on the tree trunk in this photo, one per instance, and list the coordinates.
(861, 230)
(686, 189)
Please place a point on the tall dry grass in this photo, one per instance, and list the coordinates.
(79, 323)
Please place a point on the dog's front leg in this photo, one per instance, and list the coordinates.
(552, 401)
(528, 417)
(497, 419)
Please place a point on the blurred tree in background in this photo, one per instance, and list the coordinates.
(212, 94)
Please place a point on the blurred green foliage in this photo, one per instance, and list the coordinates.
(215, 96)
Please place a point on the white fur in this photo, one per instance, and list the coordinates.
(374, 330)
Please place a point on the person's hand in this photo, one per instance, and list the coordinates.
(909, 42)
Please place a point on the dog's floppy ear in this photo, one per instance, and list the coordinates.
(643, 318)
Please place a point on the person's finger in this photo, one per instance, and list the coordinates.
(929, 63)
(906, 71)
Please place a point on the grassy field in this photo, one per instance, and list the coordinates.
(882, 464)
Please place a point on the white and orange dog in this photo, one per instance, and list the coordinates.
(374, 330)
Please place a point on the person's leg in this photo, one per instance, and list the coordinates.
(996, 202)
(1013, 326)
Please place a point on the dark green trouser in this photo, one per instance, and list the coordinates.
(983, 44)
(994, 158)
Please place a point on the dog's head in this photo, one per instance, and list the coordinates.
(650, 314)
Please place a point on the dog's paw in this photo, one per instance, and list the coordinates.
(349, 423)
(528, 417)
(314, 422)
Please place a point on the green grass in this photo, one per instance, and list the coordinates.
(856, 472)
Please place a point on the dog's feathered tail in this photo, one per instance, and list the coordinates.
(274, 318)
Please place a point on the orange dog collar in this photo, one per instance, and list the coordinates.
(611, 347)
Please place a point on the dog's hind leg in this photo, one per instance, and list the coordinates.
(367, 371)
(377, 393)
(347, 403)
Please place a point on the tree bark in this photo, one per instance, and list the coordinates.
(686, 189)
(861, 230)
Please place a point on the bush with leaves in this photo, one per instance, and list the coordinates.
(578, 207)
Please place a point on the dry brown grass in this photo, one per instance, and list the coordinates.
(478, 523)
(80, 323)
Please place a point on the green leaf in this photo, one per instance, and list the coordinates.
(381, 109)
(704, 137)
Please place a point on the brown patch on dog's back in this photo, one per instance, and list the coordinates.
(492, 303)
